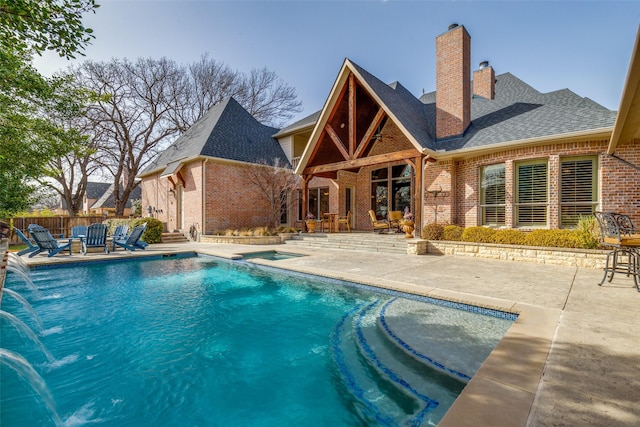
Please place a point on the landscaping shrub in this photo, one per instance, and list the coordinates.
(432, 231)
(588, 232)
(452, 233)
(115, 222)
(553, 238)
(478, 234)
(153, 232)
(509, 237)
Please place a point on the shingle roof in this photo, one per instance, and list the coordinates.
(408, 110)
(107, 200)
(226, 131)
(310, 120)
(520, 112)
(96, 189)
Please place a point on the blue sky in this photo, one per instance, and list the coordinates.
(581, 45)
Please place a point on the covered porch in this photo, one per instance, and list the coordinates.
(360, 157)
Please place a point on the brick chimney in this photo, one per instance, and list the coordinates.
(453, 82)
(484, 81)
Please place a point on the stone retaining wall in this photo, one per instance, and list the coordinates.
(557, 256)
(248, 240)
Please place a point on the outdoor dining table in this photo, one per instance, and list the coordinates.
(331, 219)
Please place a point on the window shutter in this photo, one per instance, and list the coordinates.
(493, 195)
(532, 194)
(577, 190)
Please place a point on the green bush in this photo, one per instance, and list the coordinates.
(509, 237)
(452, 233)
(478, 234)
(588, 232)
(432, 231)
(553, 238)
(153, 233)
(115, 222)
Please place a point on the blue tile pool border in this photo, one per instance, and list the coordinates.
(173, 255)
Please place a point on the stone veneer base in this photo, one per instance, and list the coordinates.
(589, 258)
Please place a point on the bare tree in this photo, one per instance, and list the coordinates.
(261, 92)
(142, 106)
(267, 97)
(275, 184)
(132, 115)
(209, 82)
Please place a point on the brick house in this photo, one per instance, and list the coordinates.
(201, 178)
(482, 149)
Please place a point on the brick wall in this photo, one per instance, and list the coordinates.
(619, 183)
(453, 82)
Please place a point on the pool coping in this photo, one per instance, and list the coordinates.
(503, 390)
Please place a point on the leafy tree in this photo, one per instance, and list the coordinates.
(28, 139)
(40, 25)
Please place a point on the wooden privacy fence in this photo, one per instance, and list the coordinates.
(57, 225)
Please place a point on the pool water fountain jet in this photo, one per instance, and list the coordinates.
(26, 371)
(22, 328)
(25, 278)
(15, 261)
(26, 305)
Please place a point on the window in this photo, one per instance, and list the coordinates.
(397, 178)
(492, 195)
(318, 201)
(578, 189)
(284, 205)
(532, 193)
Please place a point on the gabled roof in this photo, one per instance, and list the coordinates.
(226, 131)
(397, 102)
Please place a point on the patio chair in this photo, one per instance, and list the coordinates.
(346, 220)
(95, 237)
(377, 224)
(78, 230)
(31, 245)
(394, 220)
(132, 241)
(46, 242)
(121, 232)
(624, 256)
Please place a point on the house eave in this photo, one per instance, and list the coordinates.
(592, 134)
(627, 125)
(293, 131)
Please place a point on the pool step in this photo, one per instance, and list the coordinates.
(374, 399)
(434, 390)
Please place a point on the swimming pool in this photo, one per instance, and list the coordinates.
(202, 341)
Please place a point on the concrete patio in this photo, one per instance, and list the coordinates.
(571, 359)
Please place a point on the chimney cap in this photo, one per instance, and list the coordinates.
(484, 64)
(452, 26)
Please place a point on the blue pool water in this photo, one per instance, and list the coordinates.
(205, 342)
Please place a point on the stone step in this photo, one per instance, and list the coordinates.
(173, 237)
(369, 242)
